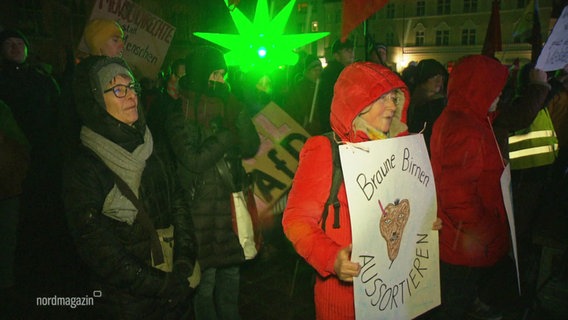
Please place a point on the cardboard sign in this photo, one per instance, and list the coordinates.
(392, 199)
(274, 165)
(147, 38)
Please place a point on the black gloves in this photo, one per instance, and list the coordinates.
(176, 288)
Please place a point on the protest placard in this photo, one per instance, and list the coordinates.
(147, 37)
(554, 55)
(274, 165)
(392, 199)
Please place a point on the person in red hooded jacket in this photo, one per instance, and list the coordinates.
(467, 167)
(369, 103)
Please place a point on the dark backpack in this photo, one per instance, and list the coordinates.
(336, 180)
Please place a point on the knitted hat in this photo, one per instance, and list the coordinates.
(13, 33)
(427, 69)
(199, 65)
(377, 46)
(311, 62)
(338, 45)
(98, 31)
(108, 72)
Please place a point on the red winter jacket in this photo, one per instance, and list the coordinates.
(467, 167)
(359, 85)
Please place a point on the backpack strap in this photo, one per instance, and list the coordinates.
(336, 180)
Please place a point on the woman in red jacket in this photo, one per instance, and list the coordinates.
(369, 103)
(467, 167)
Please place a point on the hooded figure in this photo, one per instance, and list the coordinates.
(108, 229)
(357, 91)
(467, 167)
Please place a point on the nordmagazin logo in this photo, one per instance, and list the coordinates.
(72, 302)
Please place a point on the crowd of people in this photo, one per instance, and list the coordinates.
(102, 168)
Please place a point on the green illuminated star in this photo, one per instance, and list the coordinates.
(261, 43)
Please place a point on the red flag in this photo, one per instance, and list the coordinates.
(493, 35)
(357, 11)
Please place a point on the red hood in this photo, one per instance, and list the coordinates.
(474, 84)
(358, 85)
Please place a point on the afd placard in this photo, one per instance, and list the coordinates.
(274, 165)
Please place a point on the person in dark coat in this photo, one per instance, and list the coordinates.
(210, 130)
(300, 99)
(114, 238)
(428, 98)
(343, 55)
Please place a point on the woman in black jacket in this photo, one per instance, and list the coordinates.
(112, 236)
(210, 130)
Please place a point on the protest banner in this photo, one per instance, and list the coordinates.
(554, 55)
(274, 165)
(390, 186)
(147, 37)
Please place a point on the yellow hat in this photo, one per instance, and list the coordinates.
(98, 31)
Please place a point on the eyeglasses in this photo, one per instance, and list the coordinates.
(391, 96)
(121, 90)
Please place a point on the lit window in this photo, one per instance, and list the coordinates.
(468, 37)
(444, 7)
(470, 6)
(420, 8)
(419, 38)
(442, 37)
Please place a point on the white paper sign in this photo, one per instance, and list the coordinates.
(392, 199)
(554, 55)
(147, 37)
(508, 202)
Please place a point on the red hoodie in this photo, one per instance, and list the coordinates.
(467, 166)
(358, 85)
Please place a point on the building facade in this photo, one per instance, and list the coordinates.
(413, 29)
(444, 30)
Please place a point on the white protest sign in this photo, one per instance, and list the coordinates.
(147, 37)
(554, 55)
(507, 192)
(392, 199)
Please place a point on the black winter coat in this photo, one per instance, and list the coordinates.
(118, 254)
(197, 151)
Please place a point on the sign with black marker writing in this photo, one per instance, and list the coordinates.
(147, 37)
(392, 199)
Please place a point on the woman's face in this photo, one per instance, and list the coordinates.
(124, 109)
(113, 47)
(380, 113)
(435, 84)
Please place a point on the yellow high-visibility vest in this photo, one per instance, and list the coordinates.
(534, 146)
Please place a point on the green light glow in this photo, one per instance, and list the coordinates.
(261, 43)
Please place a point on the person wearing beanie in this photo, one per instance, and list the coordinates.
(32, 96)
(104, 37)
(378, 53)
(210, 132)
(117, 194)
(428, 97)
(300, 100)
(15, 45)
(343, 55)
